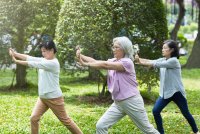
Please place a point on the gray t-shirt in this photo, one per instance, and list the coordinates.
(170, 76)
(48, 76)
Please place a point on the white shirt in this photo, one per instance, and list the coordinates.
(48, 76)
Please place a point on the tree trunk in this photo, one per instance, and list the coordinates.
(21, 76)
(193, 60)
(173, 33)
(21, 70)
(103, 80)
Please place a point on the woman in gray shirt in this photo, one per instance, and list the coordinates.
(171, 86)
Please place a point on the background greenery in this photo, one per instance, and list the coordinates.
(91, 24)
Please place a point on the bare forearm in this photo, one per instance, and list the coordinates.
(25, 63)
(86, 58)
(105, 65)
(145, 62)
(96, 64)
(20, 56)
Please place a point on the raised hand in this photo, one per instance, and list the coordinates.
(13, 58)
(11, 52)
(78, 51)
(137, 58)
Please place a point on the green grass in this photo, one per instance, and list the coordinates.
(84, 107)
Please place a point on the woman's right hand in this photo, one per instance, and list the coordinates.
(11, 52)
(137, 58)
(78, 51)
(82, 63)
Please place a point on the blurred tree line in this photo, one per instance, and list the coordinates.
(91, 24)
(193, 60)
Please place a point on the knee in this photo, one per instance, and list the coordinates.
(34, 118)
(67, 121)
(155, 111)
(100, 125)
(187, 114)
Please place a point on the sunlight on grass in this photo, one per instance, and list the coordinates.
(81, 103)
(191, 84)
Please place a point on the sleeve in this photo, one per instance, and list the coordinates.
(170, 63)
(30, 58)
(44, 64)
(128, 65)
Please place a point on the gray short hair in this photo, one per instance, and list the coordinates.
(126, 45)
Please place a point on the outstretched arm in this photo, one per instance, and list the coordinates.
(83, 57)
(103, 65)
(141, 61)
(86, 58)
(17, 55)
(21, 62)
(98, 64)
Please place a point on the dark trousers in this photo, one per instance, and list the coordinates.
(181, 102)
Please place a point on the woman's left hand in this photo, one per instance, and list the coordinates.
(82, 63)
(14, 59)
(137, 58)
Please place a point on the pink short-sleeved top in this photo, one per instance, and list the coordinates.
(122, 85)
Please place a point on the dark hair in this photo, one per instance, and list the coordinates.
(173, 45)
(49, 45)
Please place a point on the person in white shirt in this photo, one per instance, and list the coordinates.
(50, 94)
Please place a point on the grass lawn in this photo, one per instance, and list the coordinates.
(82, 104)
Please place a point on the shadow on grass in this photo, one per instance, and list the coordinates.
(94, 99)
(30, 90)
(149, 97)
(76, 81)
(88, 99)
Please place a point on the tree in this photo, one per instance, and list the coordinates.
(181, 14)
(5, 43)
(18, 19)
(193, 60)
(93, 24)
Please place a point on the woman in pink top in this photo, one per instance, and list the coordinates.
(122, 85)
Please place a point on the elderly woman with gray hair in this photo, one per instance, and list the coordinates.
(122, 85)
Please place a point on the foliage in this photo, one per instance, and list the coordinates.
(16, 107)
(182, 40)
(193, 60)
(93, 24)
(5, 44)
(190, 29)
(21, 18)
